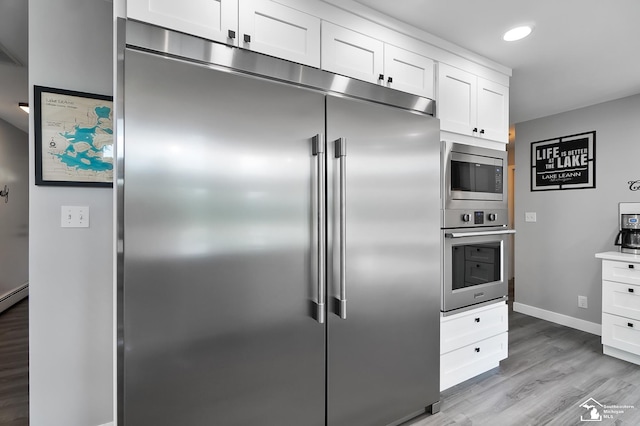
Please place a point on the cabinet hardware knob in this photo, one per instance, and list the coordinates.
(630, 324)
(477, 349)
(482, 131)
(631, 290)
(381, 77)
(390, 80)
(475, 129)
(247, 38)
(631, 266)
(232, 34)
(477, 319)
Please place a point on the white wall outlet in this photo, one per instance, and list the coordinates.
(582, 302)
(530, 217)
(74, 217)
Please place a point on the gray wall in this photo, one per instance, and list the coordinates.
(554, 257)
(70, 303)
(14, 215)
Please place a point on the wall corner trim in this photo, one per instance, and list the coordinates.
(578, 324)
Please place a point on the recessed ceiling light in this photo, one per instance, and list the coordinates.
(24, 106)
(517, 33)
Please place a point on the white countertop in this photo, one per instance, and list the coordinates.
(616, 255)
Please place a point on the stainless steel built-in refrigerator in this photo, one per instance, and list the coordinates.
(278, 243)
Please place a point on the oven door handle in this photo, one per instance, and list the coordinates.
(478, 233)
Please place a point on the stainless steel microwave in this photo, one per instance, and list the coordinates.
(473, 177)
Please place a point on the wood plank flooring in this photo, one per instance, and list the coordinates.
(550, 372)
(14, 365)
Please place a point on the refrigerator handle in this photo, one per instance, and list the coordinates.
(341, 155)
(318, 143)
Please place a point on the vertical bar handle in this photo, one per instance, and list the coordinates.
(341, 155)
(318, 144)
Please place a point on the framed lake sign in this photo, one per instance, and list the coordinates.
(73, 138)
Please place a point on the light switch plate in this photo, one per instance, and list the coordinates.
(530, 217)
(74, 217)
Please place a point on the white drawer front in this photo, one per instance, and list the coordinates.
(621, 299)
(624, 272)
(621, 333)
(465, 328)
(469, 361)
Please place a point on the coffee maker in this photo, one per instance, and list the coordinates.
(628, 239)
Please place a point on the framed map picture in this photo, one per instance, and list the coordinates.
(74, 138)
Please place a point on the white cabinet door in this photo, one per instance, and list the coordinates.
(210, 19)
(408, 71)
(457, 100)
(280, 31)
(350, 53)
(471, 105)
(493, 110)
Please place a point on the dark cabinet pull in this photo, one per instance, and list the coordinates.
(247, 38)
(475, 129)
(232, 34)
(631, 290)
(631, 266)
(381, 77)
(477, 319)
(482, 132)
(630, 324)
(477, 349)
(390, 80)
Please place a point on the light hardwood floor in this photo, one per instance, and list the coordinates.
(14, 365)
(551, 370)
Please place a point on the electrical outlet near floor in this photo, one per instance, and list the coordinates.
(582, 302)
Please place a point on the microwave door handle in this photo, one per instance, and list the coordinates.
(478, 233)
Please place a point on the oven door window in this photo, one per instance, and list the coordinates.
(476, 177)
(475, 264)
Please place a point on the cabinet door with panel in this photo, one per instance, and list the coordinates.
(351, 53)
(493, 110)
(408, 71)
(280, 31)
(215, 20)
(471, 105)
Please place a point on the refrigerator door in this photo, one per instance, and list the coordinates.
(219, 264)
(383, 357)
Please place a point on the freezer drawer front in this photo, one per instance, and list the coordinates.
(383, 360)
(218, 259)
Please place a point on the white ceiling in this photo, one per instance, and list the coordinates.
(581, 52)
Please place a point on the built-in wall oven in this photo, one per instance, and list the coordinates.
(474, 224)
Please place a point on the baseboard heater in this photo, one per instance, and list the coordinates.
(13, 297)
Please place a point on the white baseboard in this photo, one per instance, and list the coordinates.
(14, 296)
(578, 324)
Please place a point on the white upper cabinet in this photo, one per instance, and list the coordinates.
(359, 56)
(259, 25)
(408, 71)
(350, 53)
(471, 105)
(211, 19)
(280, 31)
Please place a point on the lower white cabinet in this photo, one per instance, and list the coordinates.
(621, 307)
(472, 342)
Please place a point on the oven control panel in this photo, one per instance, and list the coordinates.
(452, 218)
